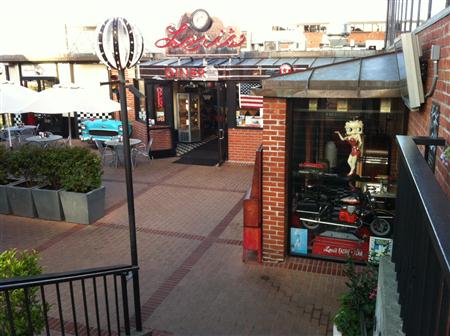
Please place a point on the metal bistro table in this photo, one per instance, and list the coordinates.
(118, 147)
(44, 141)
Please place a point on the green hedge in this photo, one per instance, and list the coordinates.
(72, 168)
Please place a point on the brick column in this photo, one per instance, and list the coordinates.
(274, 180)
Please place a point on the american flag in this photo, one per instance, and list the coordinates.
(246, 100)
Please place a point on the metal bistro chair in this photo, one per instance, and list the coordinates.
(107, 154)
(142, 150)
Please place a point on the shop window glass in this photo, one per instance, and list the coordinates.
(141, 110)
(333, 214)
(250, 111)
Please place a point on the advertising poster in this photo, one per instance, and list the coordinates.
(379, 247)
(299, 241)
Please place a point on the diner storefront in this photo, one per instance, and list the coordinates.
(329, 159)
(201, 91)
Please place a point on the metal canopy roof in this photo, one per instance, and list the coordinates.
(369, 77)
(243, 62)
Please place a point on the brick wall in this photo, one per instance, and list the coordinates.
(243, 143)
(437, 34)
(139, 128)
(140, 131)
(274, 180)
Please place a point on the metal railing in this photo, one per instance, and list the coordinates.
(421, 243)
(86, 302)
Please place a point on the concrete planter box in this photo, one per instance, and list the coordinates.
(83, 208)
(5, 209)
(48, 203)
(21, 199)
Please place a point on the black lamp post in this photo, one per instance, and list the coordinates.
(120, 46)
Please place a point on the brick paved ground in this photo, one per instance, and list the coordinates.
(193, 282)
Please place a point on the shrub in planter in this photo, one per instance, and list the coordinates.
(4, 204)
(23, 163)
(358, 304)
(83, 197)
(21, 264)
(46, 198)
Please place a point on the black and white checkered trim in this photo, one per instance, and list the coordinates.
(17, 119)
(183, 148)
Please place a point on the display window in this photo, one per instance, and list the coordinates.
(250, 111)
(342, 187)
(141, 110)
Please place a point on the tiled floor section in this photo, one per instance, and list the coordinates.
(193, 282)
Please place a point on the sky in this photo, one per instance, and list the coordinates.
(38, 26)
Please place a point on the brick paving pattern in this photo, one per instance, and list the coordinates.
(193, 281)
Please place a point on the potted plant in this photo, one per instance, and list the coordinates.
(23, 163)
(46, 197)
(4, 204)
(14, 264)
(83, 196)
(357, 309)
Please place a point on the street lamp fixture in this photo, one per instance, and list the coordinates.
(120, 46)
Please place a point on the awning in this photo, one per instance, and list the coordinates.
(369, 77)
(235, 68)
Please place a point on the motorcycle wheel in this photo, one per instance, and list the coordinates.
(310, 225)
(380, 227)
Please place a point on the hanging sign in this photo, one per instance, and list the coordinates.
(199, 34)
(286, 68)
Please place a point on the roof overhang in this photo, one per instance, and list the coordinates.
(368, 77)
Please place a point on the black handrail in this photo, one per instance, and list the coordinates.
(52, 278)
(19, 296)
(421, 249)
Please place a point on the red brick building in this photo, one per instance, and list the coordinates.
(284, 95)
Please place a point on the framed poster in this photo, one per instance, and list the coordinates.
(434, 127)
(379, 247)
(299, 241)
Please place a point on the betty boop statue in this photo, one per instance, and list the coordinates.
(354, 132)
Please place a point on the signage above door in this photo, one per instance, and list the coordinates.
(198, 34)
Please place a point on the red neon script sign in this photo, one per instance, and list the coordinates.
(176, 39)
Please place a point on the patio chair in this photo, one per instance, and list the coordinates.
(141, 150)
(106, 153)
(36, 130)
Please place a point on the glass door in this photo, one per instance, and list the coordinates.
(222, 133)
(188, 117)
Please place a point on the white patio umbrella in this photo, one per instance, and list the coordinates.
(71, 98)
(13, 99)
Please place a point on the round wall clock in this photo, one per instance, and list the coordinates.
(200, 20)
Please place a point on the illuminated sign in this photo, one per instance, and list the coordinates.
(193, 43)
(184, 73)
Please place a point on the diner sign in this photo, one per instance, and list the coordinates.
(208, 73)
(185, 40)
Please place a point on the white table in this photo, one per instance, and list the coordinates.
(118, 146)
(44, 141)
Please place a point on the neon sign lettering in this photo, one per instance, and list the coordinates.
(184, 73)
(176, 39)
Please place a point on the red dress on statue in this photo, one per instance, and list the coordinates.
(355, 147)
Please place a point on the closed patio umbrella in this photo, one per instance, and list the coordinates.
(13, 99)
(71, 98)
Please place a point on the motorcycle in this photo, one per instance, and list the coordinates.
(318, 205)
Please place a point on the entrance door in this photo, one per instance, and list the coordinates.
(222, 130)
